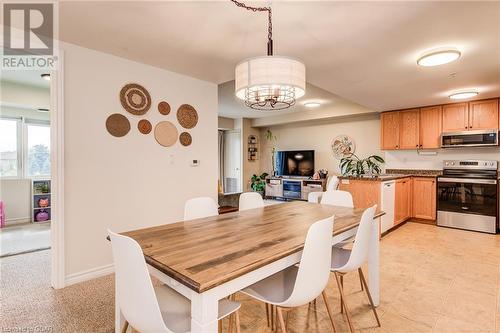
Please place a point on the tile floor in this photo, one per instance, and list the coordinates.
(432, 280)
(24, 238)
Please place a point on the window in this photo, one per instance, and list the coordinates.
(38, 150)
(10, 147)
(24, 148)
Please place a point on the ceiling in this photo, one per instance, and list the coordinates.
(26, 77)
(362, 51)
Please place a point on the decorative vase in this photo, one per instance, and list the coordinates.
(41, 216)
(43, 202)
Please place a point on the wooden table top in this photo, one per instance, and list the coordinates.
(207, 252)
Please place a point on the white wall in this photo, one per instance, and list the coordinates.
(16, 194)
(130, 182)
(365, 131)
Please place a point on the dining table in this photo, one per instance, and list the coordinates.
(208, 259)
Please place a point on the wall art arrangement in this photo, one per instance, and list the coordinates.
(136, 100)
(343, 146)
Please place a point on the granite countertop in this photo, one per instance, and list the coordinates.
(393, 174)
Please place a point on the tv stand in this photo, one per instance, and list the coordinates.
(293, 188)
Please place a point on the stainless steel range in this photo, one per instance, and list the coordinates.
(467, 195)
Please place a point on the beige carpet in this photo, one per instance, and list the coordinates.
(432, 280)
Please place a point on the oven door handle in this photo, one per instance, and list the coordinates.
(467, 180)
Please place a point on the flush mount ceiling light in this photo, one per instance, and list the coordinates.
(45, 77)
(438, 57)
(464, 94)
(269, 82)
(312, 104)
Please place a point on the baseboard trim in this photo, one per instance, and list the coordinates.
(89, 274)
(17, 220)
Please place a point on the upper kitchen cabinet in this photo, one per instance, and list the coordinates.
(409, 129)
(430, 127)
(483, 114)
(455, 117)
(389, 130)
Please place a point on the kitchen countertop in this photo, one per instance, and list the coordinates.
(393, 174)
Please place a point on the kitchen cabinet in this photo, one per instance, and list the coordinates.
(365, 193)
(402, 205)
(409, 121)
(455, 117)
(430, 127)
(424, 198)
(389, 130)
(483, 114)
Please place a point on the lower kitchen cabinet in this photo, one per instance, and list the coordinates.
(424, 198)
(402, 207)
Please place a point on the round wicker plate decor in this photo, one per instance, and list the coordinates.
(187, 116)
(166, 133)
(144, 126)
(117, 125)
(185, 139)
(135, 99)
(164, 108)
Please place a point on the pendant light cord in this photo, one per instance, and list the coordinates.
(270, 22)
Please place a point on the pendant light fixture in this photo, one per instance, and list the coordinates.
(269, 82)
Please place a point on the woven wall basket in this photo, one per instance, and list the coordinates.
(166, 133)
(187, 116)
(185, 139)
(117, 125)
(135, 99)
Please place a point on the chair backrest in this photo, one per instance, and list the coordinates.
(333, 183)
(314, 268)
(197, 208)
(337, 198)
(314, 197)
(250, 200)
(135, 293)
(359, 252)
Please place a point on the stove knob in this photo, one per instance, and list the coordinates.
(452, 163)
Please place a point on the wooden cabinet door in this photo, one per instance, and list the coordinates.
(430, 127)
(389, 130)
(402, 204)
(424, 198)
(483, 114)
(455, 117)
(409, 129)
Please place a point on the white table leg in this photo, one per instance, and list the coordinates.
(119, 319)
(374, 263)
(204, 313)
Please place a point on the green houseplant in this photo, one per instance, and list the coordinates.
(352, 165)
(258, 183)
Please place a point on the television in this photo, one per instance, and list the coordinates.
(298, 163)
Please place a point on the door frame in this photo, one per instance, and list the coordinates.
(58, 273)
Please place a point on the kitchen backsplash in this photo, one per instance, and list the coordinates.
(412, 160)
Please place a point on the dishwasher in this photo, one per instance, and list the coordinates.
(387, 199)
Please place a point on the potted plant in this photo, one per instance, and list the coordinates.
(352, 165)
(258, 183)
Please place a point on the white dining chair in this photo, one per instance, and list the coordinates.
(349, 260)
(250, 200)
(149, 309)
(197, 208)
(331, 185)
(297, 286)
(337, 198)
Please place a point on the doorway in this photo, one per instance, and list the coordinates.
(25, 162)
(230, 161)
